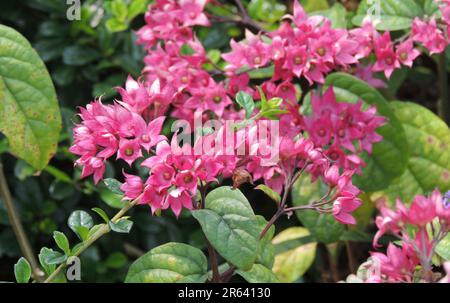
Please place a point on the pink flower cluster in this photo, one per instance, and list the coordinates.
(172, 20)
(310, 49)
(174, 177)
(420, 228)
(344, 128)
(108, 130)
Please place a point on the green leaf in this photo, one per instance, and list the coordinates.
(137, 7)
(390, 156)
(171, 262)
(121, 226)
(186, 50)
(92, 231)
(22, 271)
(323, 227)
(119, 10)
(266, 10)
(428, 138)
(114, 25)
(246, 102)
(101, 213)
(54, 258)
(443, 248)
(314, 5)
(258, 274)
(292, 264)
(230, 226)
(62, 241)
(29, 111)
(269, 192)
(112, 199)
(113, 185)
(80, 222)
(394, 14)
(337, 14)
(43, 255)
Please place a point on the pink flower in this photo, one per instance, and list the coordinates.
(133, 186)
(187, 180)
(429, 35)
(274, 178)
(396, 264)
(421, 211)
(387, 60)
(129, 150)
(177, 199)
(366, 74)
(406, 53)
(343, 206)
(331, 175)
(191, 12)
(154, 198)
(150, 135)
(162, 176)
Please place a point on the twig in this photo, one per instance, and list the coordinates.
(351, 261)
(17, 227)
(132, 250)
(211, 252)
(444, 101)
(97, 235)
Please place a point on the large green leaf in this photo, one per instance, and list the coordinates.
(428, 167)
(169, 263)
(230, 226)
(29, 111)
(292, 264)
(258, 274)
(443, 248)
(323, 227)
(394, 14)
(390, 156)
(337, 14)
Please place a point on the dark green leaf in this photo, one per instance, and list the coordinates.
(230, 226)
(171, 262)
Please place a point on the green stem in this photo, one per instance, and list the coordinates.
(97, 235)
(444, 101)
(17, 227)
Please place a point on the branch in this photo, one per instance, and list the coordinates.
(17, 227)
(97, 235)
(211, 252)
(444, 101)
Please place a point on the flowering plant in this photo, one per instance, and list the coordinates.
(293, 106)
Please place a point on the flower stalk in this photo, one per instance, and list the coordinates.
(17, 227)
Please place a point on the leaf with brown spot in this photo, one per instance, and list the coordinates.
(29, 111)
(428, 165)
